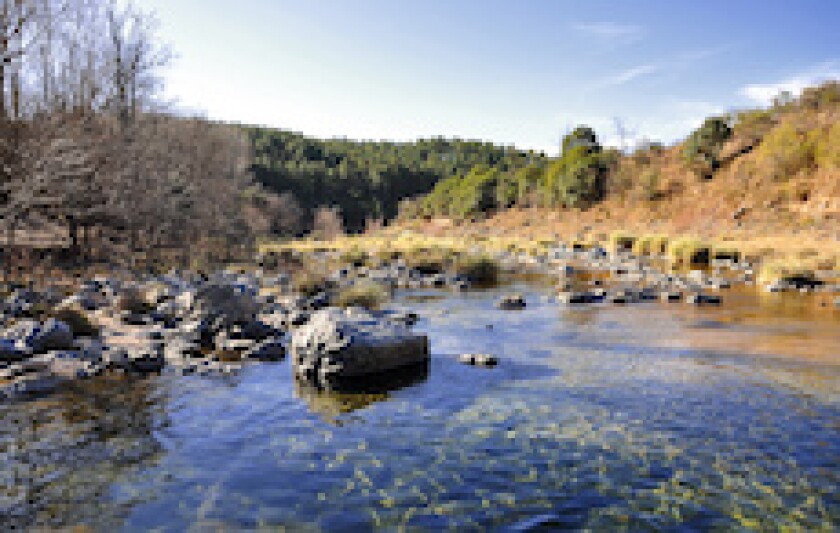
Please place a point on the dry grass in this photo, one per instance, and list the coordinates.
(365, 294)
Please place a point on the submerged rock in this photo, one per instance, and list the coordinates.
(351, 343)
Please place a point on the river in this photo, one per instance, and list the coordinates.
(650, 416)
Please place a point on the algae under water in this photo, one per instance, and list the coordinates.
(637, 417)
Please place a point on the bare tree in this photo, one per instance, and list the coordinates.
(328, 223)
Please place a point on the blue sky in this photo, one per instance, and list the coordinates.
(513, 72)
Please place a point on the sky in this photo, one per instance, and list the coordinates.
(512, 72)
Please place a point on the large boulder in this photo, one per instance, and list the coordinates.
(132, 301)
(77, 318)
(232, 304)
(136, 359)
(10, 351)
(337, 344)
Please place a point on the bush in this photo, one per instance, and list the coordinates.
(828, 148)
(822, 97)
(309, 284)
(355, 257)
(689, 253)
(428, 260)
(787, 150)
(482, 270)
(365, 294)
(702, 148)
(579, 177)
(621, 241)
(650, 184)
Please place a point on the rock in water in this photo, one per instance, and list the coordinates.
(267, 350)
(353, 343)
(511, 302)
(32, 336)
(479, 359)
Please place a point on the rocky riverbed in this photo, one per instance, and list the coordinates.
(601, 416)
(190, 323)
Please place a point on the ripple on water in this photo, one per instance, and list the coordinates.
(588, 422)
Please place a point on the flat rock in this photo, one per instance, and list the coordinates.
(511, 302)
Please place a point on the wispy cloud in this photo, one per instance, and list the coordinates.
(763, 93)
(629, 75)
(688, 58)
(611, 30)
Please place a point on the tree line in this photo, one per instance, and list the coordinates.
(366, 181)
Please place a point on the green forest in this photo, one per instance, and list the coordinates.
(367, 180)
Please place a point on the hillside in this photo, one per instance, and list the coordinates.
(766, 181)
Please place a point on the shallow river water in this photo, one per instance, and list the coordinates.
(652, 416)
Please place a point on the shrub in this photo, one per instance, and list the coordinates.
(702, 148)
(787, 150)
(621, 241)
(478, 269)
(650, 184)
(828, 148)
(821, 97)
(428, 260)
(355, 257)
(577, 179)
(365, 294)
(309, 283)
(643, 245)
(689, 253)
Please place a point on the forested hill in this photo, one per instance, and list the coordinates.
(367, 179)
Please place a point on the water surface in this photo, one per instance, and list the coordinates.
(654, 416)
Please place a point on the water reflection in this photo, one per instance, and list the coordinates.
(621, 418)
(343, 398)
(61, 454)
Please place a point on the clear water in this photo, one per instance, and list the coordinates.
(632, 418)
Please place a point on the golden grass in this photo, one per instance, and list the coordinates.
(365, 294)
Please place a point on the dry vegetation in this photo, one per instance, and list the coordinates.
(92, 172)
(774, 196)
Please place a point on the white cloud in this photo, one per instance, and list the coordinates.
(611, 30)
(763, 93)
(629, 75)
